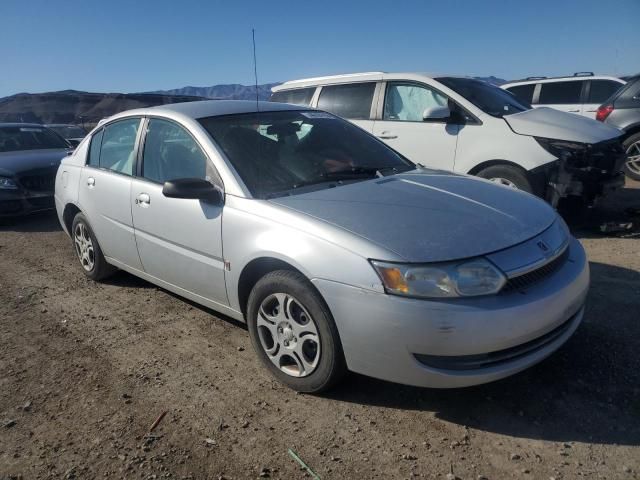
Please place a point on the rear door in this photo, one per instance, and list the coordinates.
(565, 95)
(401, 126)
(353, 101)
(179, 240)
(105, 189)
(598, 91)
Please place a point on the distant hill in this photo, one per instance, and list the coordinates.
(233, 91)
(71, 106)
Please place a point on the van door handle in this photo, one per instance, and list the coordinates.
(143, 199)
(91, 182)
(573, 111)
(387, 136)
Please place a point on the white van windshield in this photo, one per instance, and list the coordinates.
(488, 98)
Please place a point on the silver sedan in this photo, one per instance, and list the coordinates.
(337, 252)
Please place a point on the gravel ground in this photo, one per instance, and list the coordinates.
(86, 368)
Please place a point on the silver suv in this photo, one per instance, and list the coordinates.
(622, 110)
(582, 93)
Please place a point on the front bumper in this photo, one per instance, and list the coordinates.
(408, 341)
(15, 203)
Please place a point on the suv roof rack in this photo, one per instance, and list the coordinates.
(583, 74)
(535, 78)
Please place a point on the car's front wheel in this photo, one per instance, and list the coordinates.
(508, 176)
(88, 250)
(293, 332)
(632, 164)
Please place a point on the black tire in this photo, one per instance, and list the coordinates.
(100, 268)
(515, 175)
(330, 367)
(632, 140)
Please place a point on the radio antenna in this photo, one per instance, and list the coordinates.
(255, 66)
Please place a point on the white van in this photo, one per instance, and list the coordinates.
(470, 126)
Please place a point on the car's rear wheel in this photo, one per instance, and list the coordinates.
(632, 164)
(88, 250)
(507, 176)
(293, 332)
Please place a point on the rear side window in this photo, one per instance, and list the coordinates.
(523, 92)
(601, 90)
(118, 146)
(299, 96)
(351, 101)
(560, 93)
(94, 149)
(408, 102)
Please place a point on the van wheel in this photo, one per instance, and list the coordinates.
(293, 333)
(88, 250)
(508, 176)
(632, 165)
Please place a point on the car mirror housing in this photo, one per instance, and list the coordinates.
(436, 113)
(193, 188)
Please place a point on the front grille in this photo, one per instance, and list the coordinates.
(603, 157)
(41, 203)
(39, 183)
(10, 206)
(522, 282)
(492, 359)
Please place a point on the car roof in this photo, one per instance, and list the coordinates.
(60, 125)
(20, 124)
(533, 80)
(355, 77)
(210, 108)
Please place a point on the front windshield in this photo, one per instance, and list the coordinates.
(69, 131)
(488, 98)
(279, 153)
(28, 137)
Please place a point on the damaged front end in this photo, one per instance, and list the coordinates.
(584, 170)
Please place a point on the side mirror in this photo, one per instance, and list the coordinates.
(194, 188)
(436, 113)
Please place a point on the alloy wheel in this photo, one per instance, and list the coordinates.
(504, 181)
(84, 246)
(288, 335)
(633, 157)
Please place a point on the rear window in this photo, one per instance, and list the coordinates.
(601, 90)
(351, 101)
(29, 137)
(299, 96)
(523, 92)
(560, 93)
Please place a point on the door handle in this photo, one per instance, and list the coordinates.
(91, 182)
(573, 111)
(387, 136)
(143, 199)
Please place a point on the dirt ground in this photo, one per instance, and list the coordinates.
(86, 368)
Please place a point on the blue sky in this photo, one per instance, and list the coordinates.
(139, 45)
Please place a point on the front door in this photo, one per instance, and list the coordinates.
(179, 240)
(105, 189)
(402, 127)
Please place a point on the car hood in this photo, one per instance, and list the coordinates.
(14, 163)
(429, 217)
(549, 123)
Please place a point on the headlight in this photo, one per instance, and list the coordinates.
(560, 147)
(7, 184)
(445, 280)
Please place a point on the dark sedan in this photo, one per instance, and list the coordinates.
(29, 158)
(71, 133)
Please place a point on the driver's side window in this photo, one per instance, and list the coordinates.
(407, 102)
(170, 152)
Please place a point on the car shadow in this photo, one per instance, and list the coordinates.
(36, 222)
(588, 391)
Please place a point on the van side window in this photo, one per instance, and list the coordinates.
(560, 92)
(94, 149)
(298, 96)
(523, 92)
(409, 101)
(352, 101)
(118, 146)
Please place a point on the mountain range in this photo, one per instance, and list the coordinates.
(85, 108)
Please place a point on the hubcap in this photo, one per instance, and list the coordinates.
(288, 335)
(84, 246)
(504, 181)
(633, 157)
